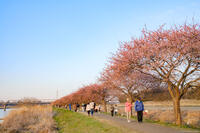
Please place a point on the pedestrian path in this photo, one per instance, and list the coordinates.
(142, 127)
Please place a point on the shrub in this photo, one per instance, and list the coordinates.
(167, 116)
(193, 118)
(36, 119)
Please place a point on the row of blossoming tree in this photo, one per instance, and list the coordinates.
(164, 58)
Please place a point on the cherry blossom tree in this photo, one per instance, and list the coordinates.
(129, 82)
(93, 92)
(171, 56)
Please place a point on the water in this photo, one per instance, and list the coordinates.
(4, 113)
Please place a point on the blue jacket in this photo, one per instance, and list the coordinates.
(70, 107)
(139, 106)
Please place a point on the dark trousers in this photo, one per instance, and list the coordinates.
(112, 112)
(88, 112)
(92, 111)
(140, 116)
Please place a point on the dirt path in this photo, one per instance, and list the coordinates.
(141, 127)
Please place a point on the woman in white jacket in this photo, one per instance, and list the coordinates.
(88, 109)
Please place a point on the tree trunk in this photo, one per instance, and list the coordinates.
(176, 103)
(177, 111)
(104, 105)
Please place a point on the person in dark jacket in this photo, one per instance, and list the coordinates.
(112, 110)
(77, 107)
(85, 105)
(139, 107)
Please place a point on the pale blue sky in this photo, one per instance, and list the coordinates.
(50, 44)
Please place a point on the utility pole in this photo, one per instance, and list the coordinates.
(57, 94)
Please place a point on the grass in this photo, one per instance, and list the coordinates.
(72, 122)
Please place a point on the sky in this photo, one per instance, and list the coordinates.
(50, 45)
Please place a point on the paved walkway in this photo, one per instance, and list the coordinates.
(142, 127)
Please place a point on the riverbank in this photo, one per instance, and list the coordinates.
(9, 107)
(4, 113)
(35, 119)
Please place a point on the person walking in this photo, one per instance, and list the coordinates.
(115, 110)
(92, 106)
(70, 107)
(74, 107)
(139, 107)
(99, 108)
(112, 110)
(85, 105)
(77, 107)
(82, 107)
(128, 106)
(88, 109)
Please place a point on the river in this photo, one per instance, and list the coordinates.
(4, 113)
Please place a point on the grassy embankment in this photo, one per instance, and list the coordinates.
(72, 122)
